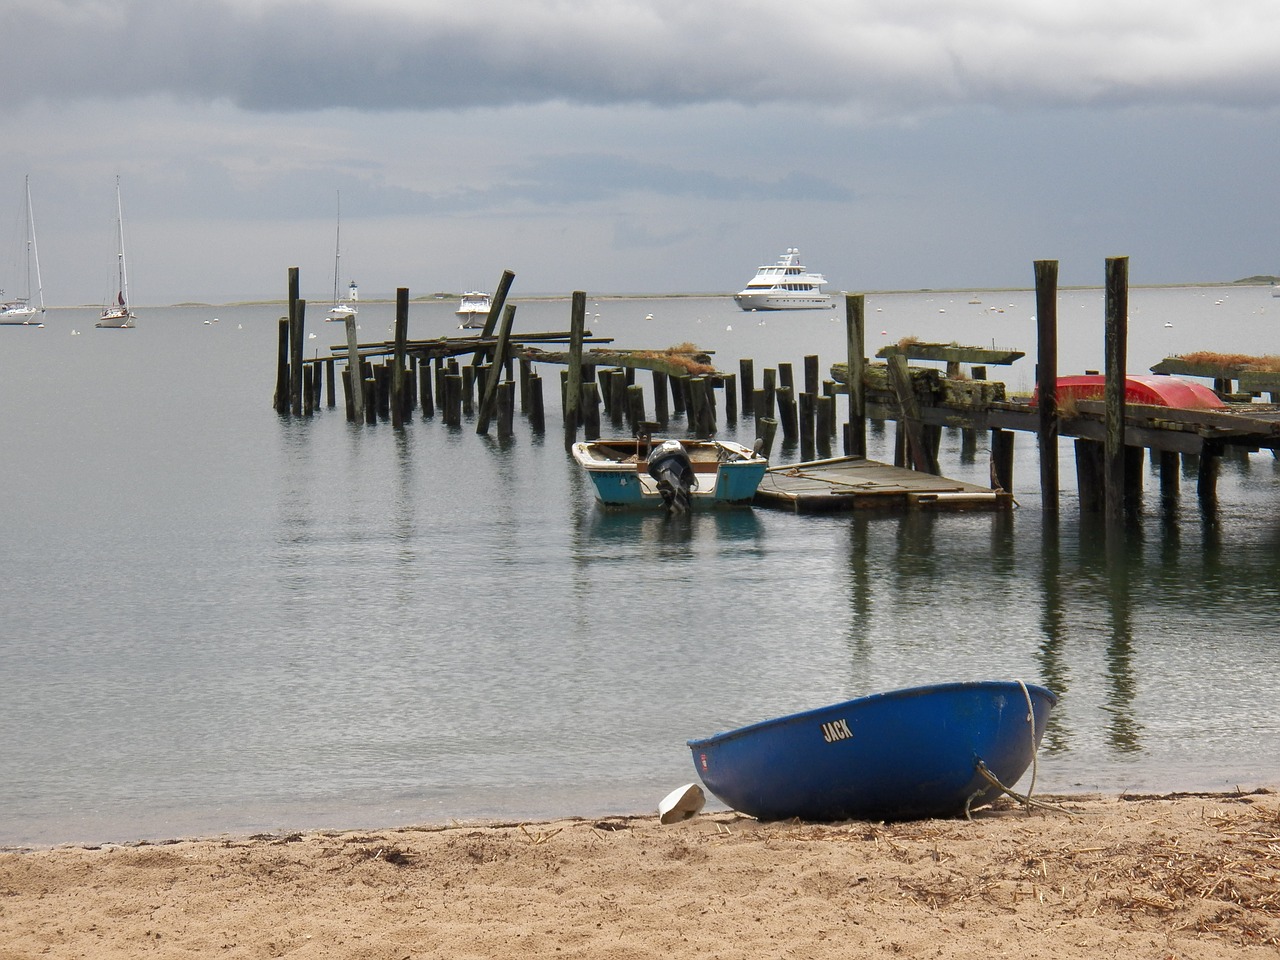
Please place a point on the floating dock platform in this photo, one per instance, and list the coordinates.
(855, 483)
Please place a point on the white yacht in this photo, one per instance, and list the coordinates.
(473, 309)
(785, 285)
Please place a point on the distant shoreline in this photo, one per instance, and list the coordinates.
(553, 297)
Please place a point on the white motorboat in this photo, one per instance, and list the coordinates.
(21, 311)
(785, 285)
(118, 316)
(473, 309)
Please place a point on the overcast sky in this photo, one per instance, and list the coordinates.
(647, 146)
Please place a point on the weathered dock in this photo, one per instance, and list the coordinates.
(690, 395)
(855, 483)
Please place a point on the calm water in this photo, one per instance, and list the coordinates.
(217, 620)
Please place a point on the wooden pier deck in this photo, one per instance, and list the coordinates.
(855, 483)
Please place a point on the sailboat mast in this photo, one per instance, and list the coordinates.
(33, 251)
(124, 274)
(337, 248)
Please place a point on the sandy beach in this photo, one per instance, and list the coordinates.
(1159, 877)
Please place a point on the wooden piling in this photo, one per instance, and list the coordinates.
(281, 399)
(1169, 474)
(855, 350)
(346, 391)
(730, 383)
(1089, 480)
(787, 413)
(526, 371)
(505, 403)
(617, 397)
(329, 381)
(468, 390)
(635, 406)
(1046, 273)
(369, 389)
(811, 375)
(661, 407)
(296, 326)
(353, 368)
(807, 420)
(398, 357)
(425, 389)
(453, 399)
(747, 381)
(573, 387)
(766, 430)
(496, 303)
(909, 424)
(1117, 307)
(769, 379)
(1002, 460)
(537, 412)
(679, 402)
(489, 399)
(591, 409)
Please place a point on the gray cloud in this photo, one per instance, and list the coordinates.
(874, 56)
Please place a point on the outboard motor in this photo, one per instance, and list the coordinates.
(671, 467)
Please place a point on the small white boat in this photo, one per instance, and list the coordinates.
(20, 311)
(785, 285)
(473, 309)
(118, 316)
(678, 475)
(341, 309)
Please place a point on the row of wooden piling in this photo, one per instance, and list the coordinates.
(429, 376)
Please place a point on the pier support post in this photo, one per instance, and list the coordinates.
(489, 399)
(766, 430)
(573, 388)
(855, 346)
(1002, 460)
(1046, 272)
(398, 357)
(1117, 308)
(353, 369)
(787, 414)
(282, 367)
(747, 381)
(590, 410)
(537, 409)
(295, 344)
(661, 405)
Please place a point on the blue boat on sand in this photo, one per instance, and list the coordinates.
(678, 475)
(903, 755)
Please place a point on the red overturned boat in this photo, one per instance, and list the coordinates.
(1155, 391)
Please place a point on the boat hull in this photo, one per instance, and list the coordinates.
(21, 316)
(903, 755)
(116, 320)
(778, 301)
(619, 471)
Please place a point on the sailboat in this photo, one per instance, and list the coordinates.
(341, 309)
(20, 311)
(118, 316)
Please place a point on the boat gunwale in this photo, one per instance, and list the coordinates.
(905, 693)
